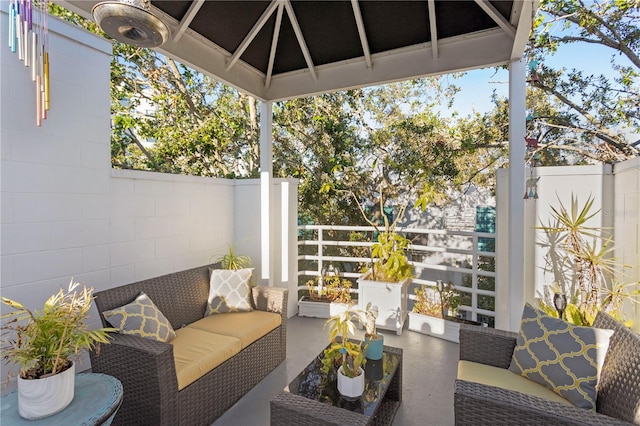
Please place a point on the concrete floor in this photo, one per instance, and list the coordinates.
(429, 365)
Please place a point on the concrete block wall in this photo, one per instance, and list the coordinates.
(64, 212)
(55, 179)
(615, 190)
(626, 218)
(165, 223)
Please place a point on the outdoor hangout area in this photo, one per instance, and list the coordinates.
(146, 297)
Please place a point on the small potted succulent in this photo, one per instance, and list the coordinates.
(374, 341)
(345, 353)
(44, 344)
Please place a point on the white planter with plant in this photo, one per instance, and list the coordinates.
(327, 297)
(431, 308)
(43, 344)
(351, 387)
(385, 284)
(345, 354)
(391, 300)
(39, 398)
(436, 327)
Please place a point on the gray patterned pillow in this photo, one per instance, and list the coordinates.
(141, 318)
(229, 291)
(563, 357)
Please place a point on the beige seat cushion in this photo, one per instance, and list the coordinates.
(197, 352)
(246, 326)
(505, 379)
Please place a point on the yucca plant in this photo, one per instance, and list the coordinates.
(580, 257)
(44, 342)
(231, 260)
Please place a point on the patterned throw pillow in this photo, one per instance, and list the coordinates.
(229, 291)
(141, 318)
(563, 357)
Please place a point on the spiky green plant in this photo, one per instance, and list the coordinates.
(231, 260)
(580, 256)
(44, 342)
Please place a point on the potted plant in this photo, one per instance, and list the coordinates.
(44, 344)
(385, 284)
(579, 256)
(232, 261)
(348, 355)
(373, 341)
(434, 311)
(328, 296)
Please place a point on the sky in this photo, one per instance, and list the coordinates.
(478, 85)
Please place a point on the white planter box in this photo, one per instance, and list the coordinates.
(436, 327)
(317, 309)
(391, 300)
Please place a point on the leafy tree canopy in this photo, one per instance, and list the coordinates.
(387, 139)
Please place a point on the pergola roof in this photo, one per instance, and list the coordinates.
(283, 49)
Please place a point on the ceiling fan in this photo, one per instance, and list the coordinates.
(131, 22)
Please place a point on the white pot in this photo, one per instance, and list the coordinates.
(391, 300)
(437, 327)
(351, 387)
(317, 309)
(39, 398)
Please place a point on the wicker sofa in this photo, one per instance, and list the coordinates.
(147, 368)
(618, 401)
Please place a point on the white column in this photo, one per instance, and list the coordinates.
(266, 173)
(517, 126)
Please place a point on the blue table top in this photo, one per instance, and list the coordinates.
(96, 398)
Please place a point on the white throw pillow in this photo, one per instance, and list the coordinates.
(229, 291)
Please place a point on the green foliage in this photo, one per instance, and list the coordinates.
(45, 342)
(343, 350)
(332, 288)
(430, 301)
(231, 260)
(392, 262)
(586, 114)
(579, 255)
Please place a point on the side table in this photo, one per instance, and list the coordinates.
(96, 400)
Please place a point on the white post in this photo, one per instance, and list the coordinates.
(266, 173)
(517, 127)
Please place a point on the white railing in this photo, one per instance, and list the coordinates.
(437, 254)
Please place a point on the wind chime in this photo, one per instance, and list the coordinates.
(531, 189)
(29, 38)
(532, 156)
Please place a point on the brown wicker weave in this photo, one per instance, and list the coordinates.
(146, 367)
(618, 391)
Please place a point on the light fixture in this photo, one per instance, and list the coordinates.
(131, 22)
(560, 302)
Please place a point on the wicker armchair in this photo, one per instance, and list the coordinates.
(618, 400)
(146, 367)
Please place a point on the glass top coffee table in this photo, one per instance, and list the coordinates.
(312, 398)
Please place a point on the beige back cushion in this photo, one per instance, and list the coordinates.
(246, 326)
